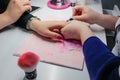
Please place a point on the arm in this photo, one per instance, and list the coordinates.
(5, 20)
(107, 21)
(88, 15)
(36, 25)
(100, 62)
(11, 10)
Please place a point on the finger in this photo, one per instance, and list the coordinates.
(53, 35)
(73, 11)
(64, 34)
(23, 1)
(56, 27)
(27, 8)
(77, 18)
(27, 3)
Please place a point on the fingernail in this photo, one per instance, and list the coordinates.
(60, 37)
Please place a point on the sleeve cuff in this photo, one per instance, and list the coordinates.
(22, 22)
(117, 23)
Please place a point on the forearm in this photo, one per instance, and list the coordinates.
(107, 21)
(4, 21)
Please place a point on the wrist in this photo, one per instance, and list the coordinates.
(32, 22)
(99, 18)
(5, 20)
(9, 17)
(85, 33)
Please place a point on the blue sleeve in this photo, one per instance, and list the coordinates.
(99, 59)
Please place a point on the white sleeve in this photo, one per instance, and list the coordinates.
(117, 23)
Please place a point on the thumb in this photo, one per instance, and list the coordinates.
(54, 35)
(80, 18)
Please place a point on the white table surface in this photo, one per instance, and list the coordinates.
(12, 37)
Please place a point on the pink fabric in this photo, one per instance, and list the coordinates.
(66, 53)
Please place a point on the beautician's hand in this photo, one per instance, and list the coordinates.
(83, 13)
(16, 8)
(46, 28)
(77, 30)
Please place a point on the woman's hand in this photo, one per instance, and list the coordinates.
(83, 13)
(50, 29)
(16, 8)
(77, 30)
